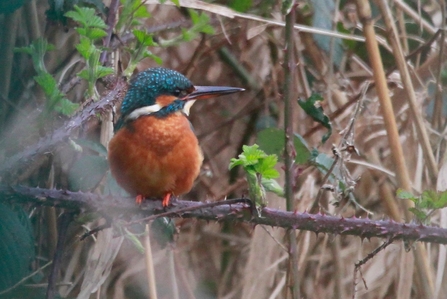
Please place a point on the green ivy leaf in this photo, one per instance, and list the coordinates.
(312, 108)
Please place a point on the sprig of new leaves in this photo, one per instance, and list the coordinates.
(91, 28)
(56, 100)
(260, 172)
(425, 204)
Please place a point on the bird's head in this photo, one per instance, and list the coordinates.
(161, 91)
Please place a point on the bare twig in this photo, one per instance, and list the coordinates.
(360, 263)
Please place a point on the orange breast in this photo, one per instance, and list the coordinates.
(153, 156)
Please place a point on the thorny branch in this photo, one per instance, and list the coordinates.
(118, 208)
(49, 143)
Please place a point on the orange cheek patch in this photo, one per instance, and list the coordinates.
(165, 100)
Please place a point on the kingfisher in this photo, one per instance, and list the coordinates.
(154, 152)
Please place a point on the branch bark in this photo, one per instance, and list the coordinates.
(49, 143)
(230, 210)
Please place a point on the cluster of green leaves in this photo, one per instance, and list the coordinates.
(425, 204)
(133, 12)
(260, 172)
(140, 50)
(131, 18)
(91, 28)
(132, 15)
(201, 24)
(56, 100)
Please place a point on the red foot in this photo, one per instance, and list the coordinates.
(166, 199)
(139, 199)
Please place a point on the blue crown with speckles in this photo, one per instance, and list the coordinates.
(150, 84)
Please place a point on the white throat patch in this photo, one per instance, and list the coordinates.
(146, 110)
(188, 106)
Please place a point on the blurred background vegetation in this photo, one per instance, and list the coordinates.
(57, 56)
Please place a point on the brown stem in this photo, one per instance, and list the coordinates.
(289, 151)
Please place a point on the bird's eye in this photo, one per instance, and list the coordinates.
(180, 93)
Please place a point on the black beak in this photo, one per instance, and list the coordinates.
(208, 92)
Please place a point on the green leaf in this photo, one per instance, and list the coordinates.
(156, 58)
(241, 5)
(163, 229)
(403, 194)
(87, 172)
(272, 185)
(85, 47)
(194, 15)
(317, 113)
(303, 153)
(419, 214)
(207, 29)
(144, 38)
(86, 16)
(66, 107)
(265, 167)
(134, 240)
(251, 154)
(37, 49)
(187, 35)
(84, 74)
(92, 145)
(235, 162)
(428, 197)
(324, 162)
(47, 82)
(442, 200)
(95, 33)
(141, 12)
(271, 140)
(16, 245)
(102, 71)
